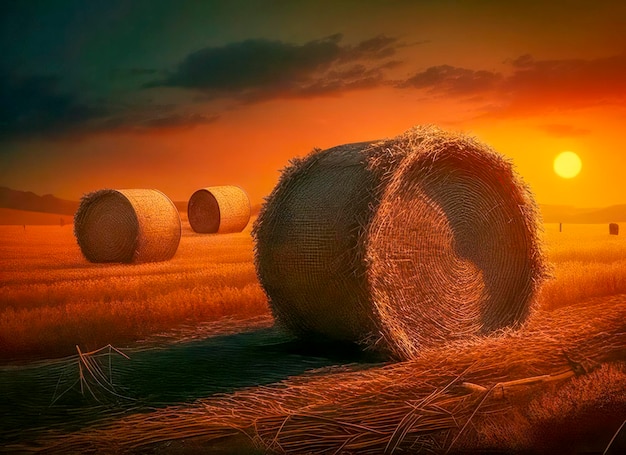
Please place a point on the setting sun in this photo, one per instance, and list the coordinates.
(567, 165)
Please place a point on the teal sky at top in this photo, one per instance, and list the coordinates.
(93, 43)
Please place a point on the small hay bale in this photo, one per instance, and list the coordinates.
(400, 244)
(219, 209)
(134, 225)
(613, 229)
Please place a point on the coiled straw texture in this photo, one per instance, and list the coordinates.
(400, 244)
(219, 209)
(133, 225)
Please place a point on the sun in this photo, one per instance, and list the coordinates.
(567, 165)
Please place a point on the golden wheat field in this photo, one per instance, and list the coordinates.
(53, 299)
(555, 385)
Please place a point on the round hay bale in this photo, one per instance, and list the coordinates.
(400, 244)
(613, 229)
(127, 226)
(219, 209)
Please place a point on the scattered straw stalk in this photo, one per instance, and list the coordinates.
(422, 404)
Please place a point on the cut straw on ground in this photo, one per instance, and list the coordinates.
(422, 404)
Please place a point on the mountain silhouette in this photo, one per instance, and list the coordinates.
(29, 201)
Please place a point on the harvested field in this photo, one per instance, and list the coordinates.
(496, 393)
(424, 404)
(54, 299)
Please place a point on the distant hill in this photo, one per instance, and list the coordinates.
(28, 201)
(573, 215)
(12, 217)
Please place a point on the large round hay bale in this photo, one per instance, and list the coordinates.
(134, 225)
(400, 244)
(219, 209)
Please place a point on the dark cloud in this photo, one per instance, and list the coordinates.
(140, 122)
(450, 80)
(258, 69)
(34, 105)
(146, 118)
(180, 121)
(532, 86)
(142, 71)
(356, 77)
(523, 61)
(130, 73)
(565, 84)
(378, 47)
(563, 130)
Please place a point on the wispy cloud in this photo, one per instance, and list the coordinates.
(146, 118)
(36, 106)
(531, 86)
(258, 69)
(450, 80)
(247, 71)
(565, 84)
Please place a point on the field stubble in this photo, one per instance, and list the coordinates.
(513, 392)
(586, 262)
(53, 299)
(445, 399)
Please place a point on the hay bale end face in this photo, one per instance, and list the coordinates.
(219, 209)
(400, 244)
(134, 225)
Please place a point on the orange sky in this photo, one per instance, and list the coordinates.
(529, 81)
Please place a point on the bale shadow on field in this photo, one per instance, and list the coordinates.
(223, 364)
(46, 395)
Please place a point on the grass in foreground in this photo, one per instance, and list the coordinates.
(502, 393)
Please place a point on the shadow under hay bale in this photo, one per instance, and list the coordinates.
(135, 225)
(400, 244)
(219, 209)
(613, 229)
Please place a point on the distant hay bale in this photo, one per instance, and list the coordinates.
(613, 229)
(134, 225)
(400, 244)
(219, 209)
